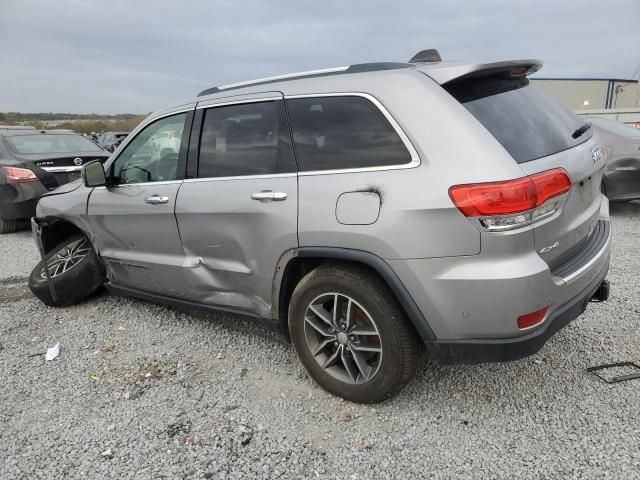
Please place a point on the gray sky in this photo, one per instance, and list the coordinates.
(116, 56)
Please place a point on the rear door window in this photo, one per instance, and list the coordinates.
(528, 122)
(340, 132)
(245, 139)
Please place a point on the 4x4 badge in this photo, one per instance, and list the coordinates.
(596, 154)
(550, 247)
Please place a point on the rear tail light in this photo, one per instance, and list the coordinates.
(511, 203)
(533, 318)
(18, 175)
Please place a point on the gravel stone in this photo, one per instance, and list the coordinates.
(256, 414)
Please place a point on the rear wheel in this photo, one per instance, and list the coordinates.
(351, 335)
(75, 272)
(8, 226)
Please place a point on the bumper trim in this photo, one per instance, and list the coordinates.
(507, 349)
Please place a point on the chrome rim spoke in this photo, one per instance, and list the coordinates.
(66, 258)
(348, 318)
(322, 314)
(348, 366)
(361, 363)
(364, 331)
(322, 345)
(343, 338)
(318, 326)
(333, 358)
(365, 348)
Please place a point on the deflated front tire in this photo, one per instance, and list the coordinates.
(75, 273)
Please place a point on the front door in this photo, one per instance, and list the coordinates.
(133, 217)
(240, 212)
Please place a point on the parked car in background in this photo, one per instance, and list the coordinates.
(366, 211)
(111, 140)
(621, 180)
(34, 162)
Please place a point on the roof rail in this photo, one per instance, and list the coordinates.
(358, 68)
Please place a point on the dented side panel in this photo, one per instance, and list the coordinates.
(232, 242)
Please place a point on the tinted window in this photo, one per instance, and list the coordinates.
(525, 120)
(343, 132)
(52, 143)
(153, 155)
(245, 139)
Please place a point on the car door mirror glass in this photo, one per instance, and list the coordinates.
(93, 174)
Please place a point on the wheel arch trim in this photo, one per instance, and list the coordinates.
(369, 259)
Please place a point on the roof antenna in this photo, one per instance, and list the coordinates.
(426, 56)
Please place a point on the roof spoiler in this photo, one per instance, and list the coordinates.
(448, 72)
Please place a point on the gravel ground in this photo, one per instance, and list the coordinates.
(144, 391)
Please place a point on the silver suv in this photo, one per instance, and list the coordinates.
(365, 211)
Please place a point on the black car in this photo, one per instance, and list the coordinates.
(111, 140)
(33, 162)
(621, 179)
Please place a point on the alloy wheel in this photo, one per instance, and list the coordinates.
(66, 258)
(343, 338)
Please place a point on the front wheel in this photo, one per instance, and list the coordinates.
(351, 335)
(75, 272)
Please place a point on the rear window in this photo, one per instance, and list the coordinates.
(528, 122)
(51, 143)
(343, 132)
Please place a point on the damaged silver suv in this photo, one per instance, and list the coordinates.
(366, 211)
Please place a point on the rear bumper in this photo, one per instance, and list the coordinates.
(507, 349)
(18, 201)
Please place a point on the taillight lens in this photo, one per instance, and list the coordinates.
(533, 318)
(18, 175)
(520, 199)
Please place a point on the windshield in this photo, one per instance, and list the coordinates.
(51, 143)
(528, 122)
(615, 127)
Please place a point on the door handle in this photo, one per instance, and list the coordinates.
(269, 196)
(156, 200)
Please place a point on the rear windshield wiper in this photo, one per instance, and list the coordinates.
(580, 131)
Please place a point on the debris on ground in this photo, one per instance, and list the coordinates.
(620, 371)
(220, 356)
(246, 435)
(107, 453)
(347, 416)
(52, 352)
(181, 427)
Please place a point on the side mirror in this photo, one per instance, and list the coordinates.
(93, 174)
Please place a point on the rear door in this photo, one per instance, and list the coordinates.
(540, 134)
(238, 213)
(133, 218)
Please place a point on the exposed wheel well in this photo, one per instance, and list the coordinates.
(298, 267)
(56, 231)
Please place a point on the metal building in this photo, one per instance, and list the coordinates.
(592, 93)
